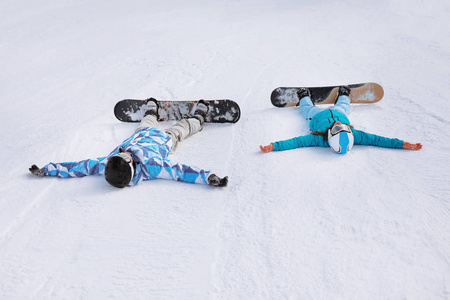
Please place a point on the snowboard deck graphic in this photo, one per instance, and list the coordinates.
(220, 111)
(369, 92)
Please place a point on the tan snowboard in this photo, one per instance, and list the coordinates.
(360, 93)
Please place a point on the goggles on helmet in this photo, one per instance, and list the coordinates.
(127, 158)
(335, 129)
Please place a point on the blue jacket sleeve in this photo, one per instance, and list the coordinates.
(364, 138)
(310, 140)
(165, 169)
(76, 169)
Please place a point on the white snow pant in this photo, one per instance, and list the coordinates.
(178, 132)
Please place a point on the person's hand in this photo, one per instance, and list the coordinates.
(410, 146)
(216, 181)
(39, 172)
(267, 148)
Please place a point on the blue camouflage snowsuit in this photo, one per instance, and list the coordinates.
(149, 148)
(320, 119)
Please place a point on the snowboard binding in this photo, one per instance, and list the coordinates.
(152, 107)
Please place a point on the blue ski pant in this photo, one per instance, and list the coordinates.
(309, 110)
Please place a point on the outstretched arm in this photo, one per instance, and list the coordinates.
(165, 169)
(364, 138)
(71, 169)
(181, 172)
(310, 140)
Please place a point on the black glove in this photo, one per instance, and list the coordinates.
(216, 181)
(36, 171)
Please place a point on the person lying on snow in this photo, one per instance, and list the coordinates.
(331, 127)
(143, 156)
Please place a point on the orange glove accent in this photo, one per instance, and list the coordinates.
(267, 148)
(410, 146)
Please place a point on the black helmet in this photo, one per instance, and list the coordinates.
(119, 170)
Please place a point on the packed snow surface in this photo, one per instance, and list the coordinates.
(299, 224)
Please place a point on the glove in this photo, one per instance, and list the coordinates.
(267, 148)
(36, 171)
(410, 146)
(216, 181)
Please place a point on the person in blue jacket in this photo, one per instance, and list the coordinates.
(143, 156)
(331, 128)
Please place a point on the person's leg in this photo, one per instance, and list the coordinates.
(342, 105)
(308, 109)
(149, 121)
(183, 129)
(343, 100)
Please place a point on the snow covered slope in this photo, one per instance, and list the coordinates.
(299, 224)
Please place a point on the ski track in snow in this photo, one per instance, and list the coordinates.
(298, 224)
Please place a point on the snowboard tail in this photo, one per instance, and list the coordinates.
(360, 93)
(220, 111)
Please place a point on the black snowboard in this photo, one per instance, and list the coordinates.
(360, 93)
(220, 111)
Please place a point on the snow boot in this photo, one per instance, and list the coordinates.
(344, 90)
(302, 93)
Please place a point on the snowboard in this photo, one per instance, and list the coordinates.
(220, 111)
(360, 93)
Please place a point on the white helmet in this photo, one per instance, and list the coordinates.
(340, 138)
